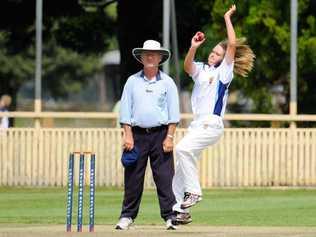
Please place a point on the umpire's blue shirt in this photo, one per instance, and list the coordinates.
(149, 103)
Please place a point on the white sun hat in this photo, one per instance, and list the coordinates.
(154, 46)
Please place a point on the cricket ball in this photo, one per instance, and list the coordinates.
(199, 36)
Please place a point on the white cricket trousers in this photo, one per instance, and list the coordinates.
(202, 132)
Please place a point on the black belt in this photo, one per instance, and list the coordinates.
(149, 130)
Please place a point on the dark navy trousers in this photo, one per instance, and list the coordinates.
(150, 146)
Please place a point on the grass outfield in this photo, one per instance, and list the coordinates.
(260, 207)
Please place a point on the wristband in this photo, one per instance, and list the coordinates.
(169, 135)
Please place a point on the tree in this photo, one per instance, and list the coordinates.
(266, 25)
(74, 37)
(73, 40)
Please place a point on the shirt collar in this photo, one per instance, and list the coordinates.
(158, 75)
(209, 67)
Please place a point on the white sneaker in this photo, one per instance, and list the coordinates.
(169, 225)
(190, 199)
(124, 223)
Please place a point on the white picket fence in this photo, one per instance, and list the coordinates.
(244, 157)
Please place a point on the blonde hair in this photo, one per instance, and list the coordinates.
(244, 57)
(6, 100)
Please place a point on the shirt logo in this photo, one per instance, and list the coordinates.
(210, 80)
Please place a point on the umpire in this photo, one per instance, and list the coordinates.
(149, 115)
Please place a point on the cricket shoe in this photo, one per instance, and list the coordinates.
(181, 218)
(124, 223)
(190, 200)
(170, 225)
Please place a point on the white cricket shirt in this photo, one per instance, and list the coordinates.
(210, 90)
